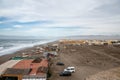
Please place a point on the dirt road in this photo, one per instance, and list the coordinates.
(87, 60)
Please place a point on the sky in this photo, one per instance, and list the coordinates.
(59, 17)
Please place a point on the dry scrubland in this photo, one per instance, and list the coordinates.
(88, 61)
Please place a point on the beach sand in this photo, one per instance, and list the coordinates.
(87, 60)
(31, 50)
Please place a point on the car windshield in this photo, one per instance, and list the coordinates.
(66, 72)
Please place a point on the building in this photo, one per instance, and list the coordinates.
(28, 69)
(50, 54)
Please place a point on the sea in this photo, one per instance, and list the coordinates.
(8, 46)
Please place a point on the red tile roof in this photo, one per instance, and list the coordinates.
(27, 64)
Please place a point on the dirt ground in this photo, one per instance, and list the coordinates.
(87, 60)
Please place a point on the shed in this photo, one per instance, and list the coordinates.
(15, 74)
(45, 54)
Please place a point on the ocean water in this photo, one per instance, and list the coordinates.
(8, 46)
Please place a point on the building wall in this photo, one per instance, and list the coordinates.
(13, 75)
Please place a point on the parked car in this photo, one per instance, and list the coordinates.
(70, 69)
(60, 63)
(65, 73)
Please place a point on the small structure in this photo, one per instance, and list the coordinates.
(21, 58)
(50, 54)
(39, 50)
(115, 42)
(30, 69)
(15, 74)
(34, 77)
(26, 55)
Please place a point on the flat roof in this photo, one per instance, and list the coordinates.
(17, 71)
(20, 58)
(23, 64)
(8, 64)
(28, 64)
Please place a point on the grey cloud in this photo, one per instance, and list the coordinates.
(108, 8)
(92, 15)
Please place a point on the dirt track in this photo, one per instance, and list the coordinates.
(87, 60)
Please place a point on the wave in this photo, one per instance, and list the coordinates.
(20, 47)
(1, 48)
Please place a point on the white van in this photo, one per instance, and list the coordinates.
(70, 69)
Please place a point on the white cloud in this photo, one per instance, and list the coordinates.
(101, 16)
(7, 29)
(45, 9)
(18, 26)
(1, 22)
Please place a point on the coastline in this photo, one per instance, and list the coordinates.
(28, 50)
(88, 60)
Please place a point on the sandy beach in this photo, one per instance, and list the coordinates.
(31, 51)
(88, 60)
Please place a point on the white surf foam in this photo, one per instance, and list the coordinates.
(22, 46)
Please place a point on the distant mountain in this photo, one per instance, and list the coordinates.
(101, 37)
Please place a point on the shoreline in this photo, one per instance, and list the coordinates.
(88, 60)
(24, 46)
(28, 50)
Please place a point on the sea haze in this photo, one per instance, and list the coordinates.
(96, 37)
(8, 46)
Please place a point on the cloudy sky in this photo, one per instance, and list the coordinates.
(59, 17)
